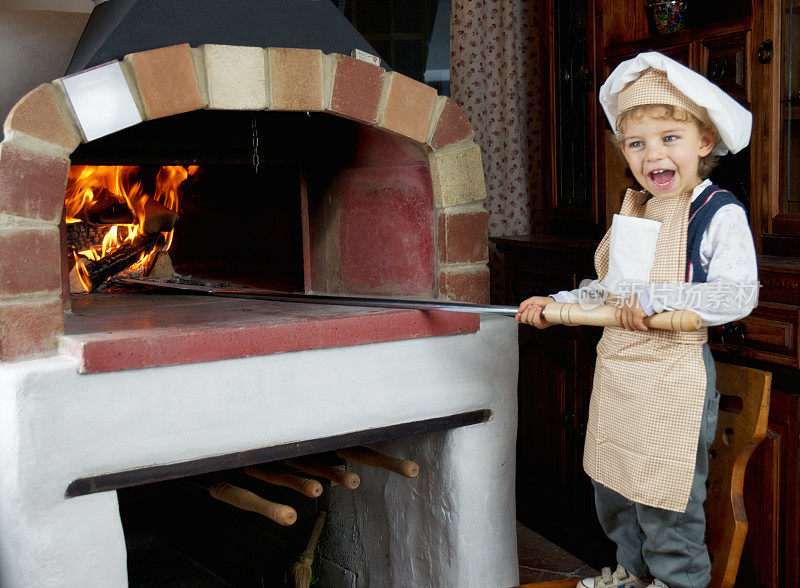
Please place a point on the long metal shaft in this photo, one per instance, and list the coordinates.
(329, 298)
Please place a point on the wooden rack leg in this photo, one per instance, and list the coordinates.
(404, 467)
(316, 468)
(246, 500)
(304, 486)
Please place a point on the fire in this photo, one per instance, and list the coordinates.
(114, 196)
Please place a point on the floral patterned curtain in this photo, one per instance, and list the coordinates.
(494, 77)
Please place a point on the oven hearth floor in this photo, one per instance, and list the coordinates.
(109, 332)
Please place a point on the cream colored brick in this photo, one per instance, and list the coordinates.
(457, 176)
(236, 77)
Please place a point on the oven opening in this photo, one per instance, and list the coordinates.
(290, 202)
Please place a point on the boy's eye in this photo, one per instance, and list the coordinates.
(635, 144)
(670, 138)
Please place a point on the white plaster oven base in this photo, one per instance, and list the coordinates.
(452, 526)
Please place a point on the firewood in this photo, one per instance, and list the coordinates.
(125, 256)
(317, 468)
(272, 475)
(158, 218)
(162, 267)
(246, 500)
(404, 467)
(82, 236)
(107, 209)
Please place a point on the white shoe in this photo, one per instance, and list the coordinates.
(657, 584)
(619, 578)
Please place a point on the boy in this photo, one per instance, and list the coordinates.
(680, 243)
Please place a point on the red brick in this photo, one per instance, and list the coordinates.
(467, 286)
(463, 237)
(386, 240)
(38, 115)
(32, 185)
(357, 88)
(62, 244)
(409, 107)
(295, 79)
(451, 127)
(29, 329)
(31, 260)
(167, 80)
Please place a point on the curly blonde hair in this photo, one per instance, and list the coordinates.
(666, 111)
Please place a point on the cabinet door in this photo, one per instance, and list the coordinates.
(771, 501)
(725, 60)
(546, 399)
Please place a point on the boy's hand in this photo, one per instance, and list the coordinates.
(530, 311)
(630, 315)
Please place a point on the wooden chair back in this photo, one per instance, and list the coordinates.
(743, 415)
(742, 425)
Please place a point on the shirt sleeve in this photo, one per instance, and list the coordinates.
(728, 256)
(590, 293)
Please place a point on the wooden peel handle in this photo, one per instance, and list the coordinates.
(315, 468)
(404, 467)
(246, 500)
(304, 486)
(603, 316)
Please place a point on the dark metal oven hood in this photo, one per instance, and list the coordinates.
(119, 27)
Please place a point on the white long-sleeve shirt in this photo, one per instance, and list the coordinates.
(728, 257)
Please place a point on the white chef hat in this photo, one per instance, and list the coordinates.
(681, 87)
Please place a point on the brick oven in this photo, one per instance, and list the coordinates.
(382, 184)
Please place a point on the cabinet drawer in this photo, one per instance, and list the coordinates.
(769, 334)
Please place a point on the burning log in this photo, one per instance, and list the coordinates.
(246, 500)
(94, 273)
(404, 467)
(107, 208)
(82, 236)
(317, 468)
(304, 486)
(158, 218)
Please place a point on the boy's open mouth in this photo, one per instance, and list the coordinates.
(662, 177)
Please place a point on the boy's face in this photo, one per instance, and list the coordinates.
(664, 154)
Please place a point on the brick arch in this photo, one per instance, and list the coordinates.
(42, 130)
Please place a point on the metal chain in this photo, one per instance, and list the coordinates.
(256, 158)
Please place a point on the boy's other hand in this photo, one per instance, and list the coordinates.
(530, 311)
(630, 315)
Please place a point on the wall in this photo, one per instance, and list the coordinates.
(37, 38)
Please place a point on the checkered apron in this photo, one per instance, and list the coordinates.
(649, 387)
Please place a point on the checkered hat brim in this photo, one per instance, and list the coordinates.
(653, 87)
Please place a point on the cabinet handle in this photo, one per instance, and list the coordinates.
(765, 51)
(733, 337)
(718, 69)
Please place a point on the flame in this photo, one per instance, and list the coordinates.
(89, 184)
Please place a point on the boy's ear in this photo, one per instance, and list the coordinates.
(708, 138)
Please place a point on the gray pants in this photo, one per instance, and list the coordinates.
(661, 543)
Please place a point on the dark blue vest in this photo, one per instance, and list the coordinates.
(701, 211)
